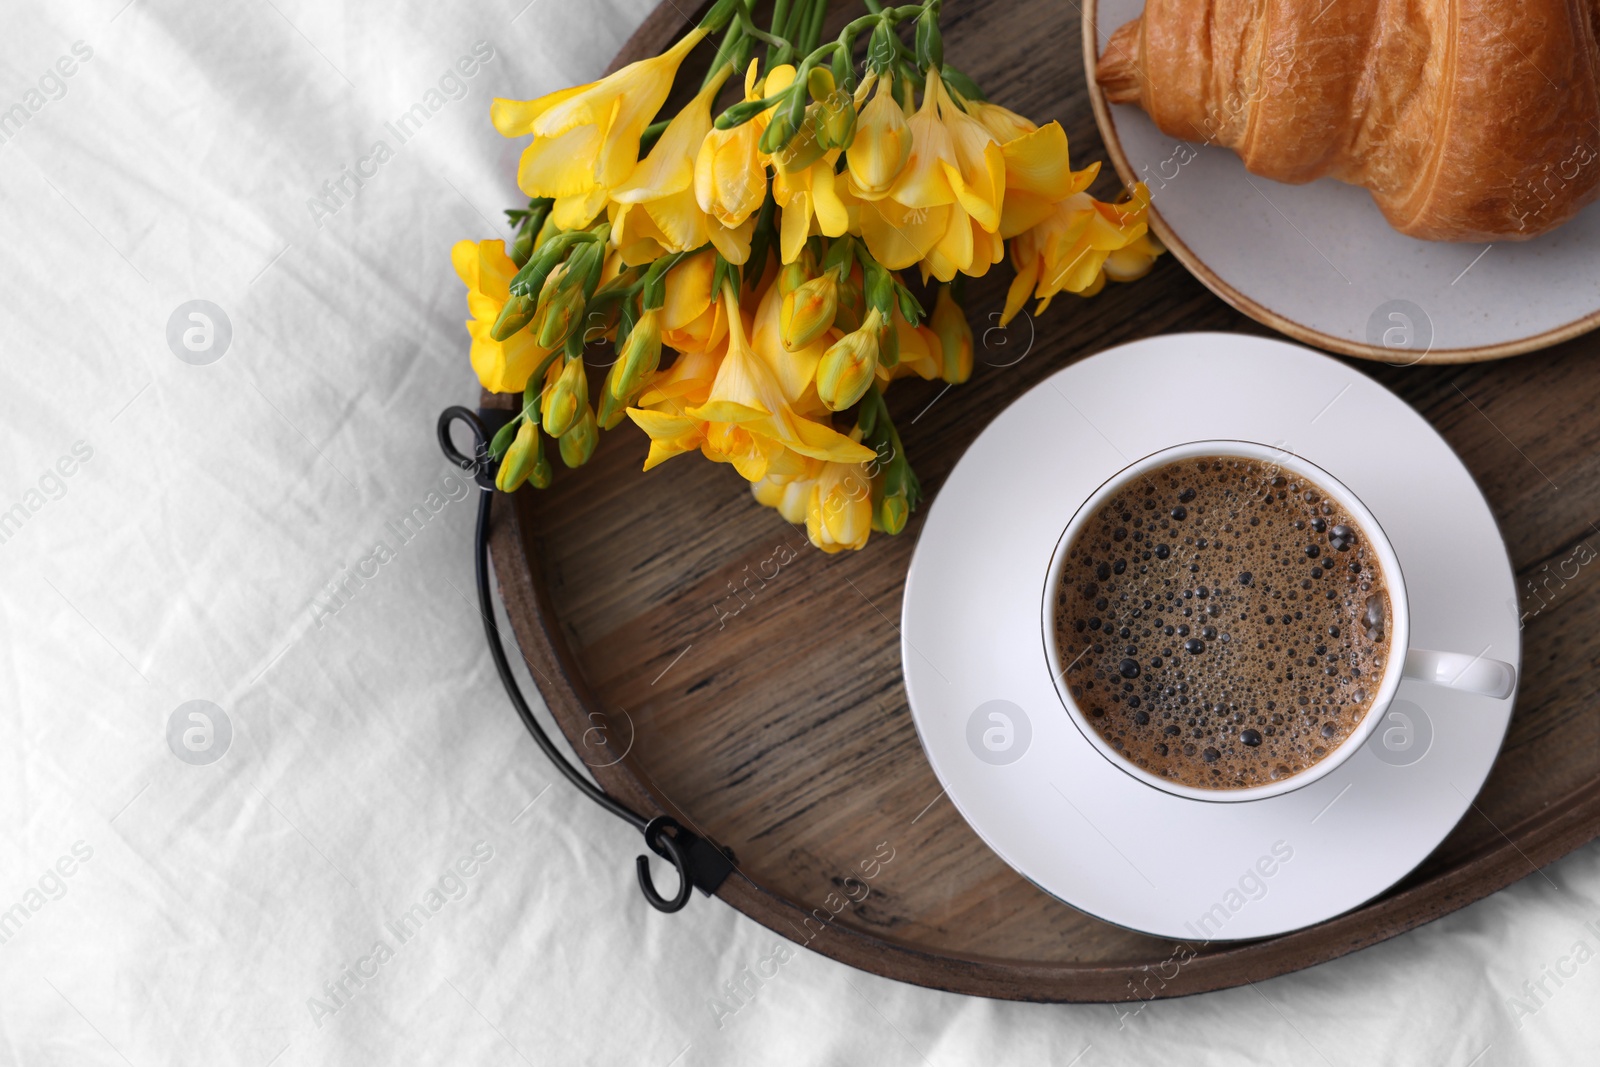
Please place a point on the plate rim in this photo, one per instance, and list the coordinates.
(1256, 310)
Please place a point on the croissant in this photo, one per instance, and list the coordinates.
(1467, 120)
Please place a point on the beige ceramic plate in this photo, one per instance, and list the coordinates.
(1319, 263)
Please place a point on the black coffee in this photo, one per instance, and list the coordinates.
(1223, 624)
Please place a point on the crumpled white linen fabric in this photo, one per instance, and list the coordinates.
(181, 527)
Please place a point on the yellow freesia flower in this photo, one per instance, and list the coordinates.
(787, 485)
(1069, 249)
(656, 210)
(811, 204)
(808, 310)
(1038, 178)
(749, 396)
(730, 170)
(519, 459)
(742, 406)
(639, 356)
(1134, 261)
(839, 512)
(662, 406)
(977, 174)
(921, 354)
(1005, 124)
(954, 336)
(1039, 171)
(586, 139)
(795, 369)
(910, 218)
(882, 141)
(502, 366)
(848, 366)
(791, 498)
(691, 318)
(790, 467)
(952, 187)
(564, 398)
(668, 415)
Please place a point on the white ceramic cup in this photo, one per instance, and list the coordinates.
(1473, 674)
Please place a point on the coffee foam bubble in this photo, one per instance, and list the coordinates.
(1224, 623)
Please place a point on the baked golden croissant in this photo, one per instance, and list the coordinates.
(1468, 120)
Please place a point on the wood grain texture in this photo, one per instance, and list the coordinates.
(781, 729)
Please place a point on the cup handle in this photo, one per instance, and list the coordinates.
(1470, 674)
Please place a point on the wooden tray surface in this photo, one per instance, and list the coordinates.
(783, 732)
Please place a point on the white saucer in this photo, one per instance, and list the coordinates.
(1055, 809)
(1319, 263)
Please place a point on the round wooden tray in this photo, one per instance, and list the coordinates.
(708, 663)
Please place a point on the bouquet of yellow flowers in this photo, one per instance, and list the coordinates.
(764, 248)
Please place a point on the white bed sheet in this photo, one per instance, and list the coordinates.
(209, 509)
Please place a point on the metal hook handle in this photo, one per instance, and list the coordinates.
(699, 862)
(479, 463)
(665, 845)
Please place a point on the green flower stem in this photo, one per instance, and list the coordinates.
(652, 134)
(720, 14)
(813, 27)
(752, 30)
(879, 430)
(762, 238)
(653, 287)
(530, 407)
(780, 14)
(727, 52)
(805, 19)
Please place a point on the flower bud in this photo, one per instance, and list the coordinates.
(844, 76)
(846, 369)
(808, 311)
(547, 231)
(789, 498)
(839, 512)
(640, 356)
(882, 143)
(889, 343)
(611, 410)
(560, 308)
(881, 47)
(838, 126)
(517, 313)
(542, 473)
(577, 444)
(805, 147)
(740, 113)
(563, 398)
(949, 322)
(819, 83)
(930, 44)
(793, 275)
(852, 305)
(721, 13)
(778, 132)
(517, 463)
(522, 245)
(893, 512)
